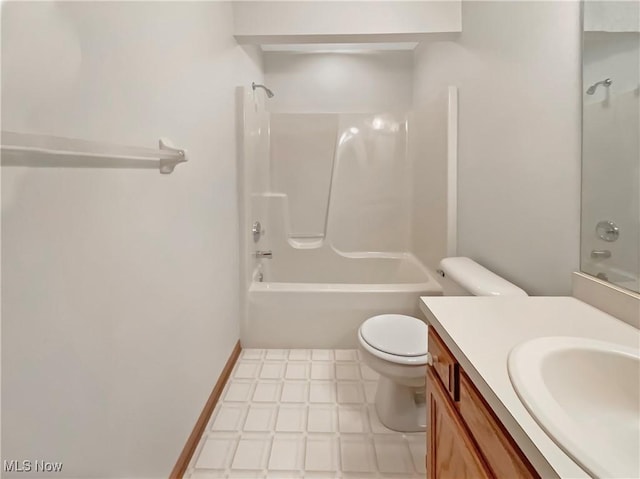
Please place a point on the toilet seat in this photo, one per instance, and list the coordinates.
(395, 338)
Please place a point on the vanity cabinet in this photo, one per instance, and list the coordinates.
(464, 437)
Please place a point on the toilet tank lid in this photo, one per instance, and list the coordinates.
(478, 280)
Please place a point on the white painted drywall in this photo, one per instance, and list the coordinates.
(517, 66)
(120, 286)
(302, 21)
(359, 82)
(611, 16)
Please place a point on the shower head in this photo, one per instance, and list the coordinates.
(255, 85)
(592, 89)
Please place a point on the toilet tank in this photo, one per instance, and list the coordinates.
(465, 277)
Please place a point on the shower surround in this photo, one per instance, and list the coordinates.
(332, 193)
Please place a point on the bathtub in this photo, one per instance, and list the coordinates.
(319, 301)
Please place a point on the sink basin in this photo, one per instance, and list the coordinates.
(586, 395)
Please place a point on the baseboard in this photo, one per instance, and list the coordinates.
(190, 446)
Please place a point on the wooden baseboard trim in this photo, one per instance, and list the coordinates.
(190, 446)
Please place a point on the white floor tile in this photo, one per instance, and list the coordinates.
(322, 418)
(228, 417)
(345, 355)
(322, 392)
(294, 391)
(240, 474)
(206, 475)
(246, 369)
(347, 371)
(374, 422)
(267, 391)
(277, 354)
(297, 370)
(260, 417)
(283, 475)
(252, 452)
(368, 374)
(217, 451)
(321, 453)
(319, 475)
(322, 370)
(370, 391)
(418, 448)
(357, 454)
(393, 454)
(272, 370)
(287, 452)
(350, 392)
(352, 419)
(322, 355)
(239, 390)
(252, 353)
(299, 355)
(303, 414)
(291, 418)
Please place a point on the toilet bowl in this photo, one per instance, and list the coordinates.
(395, 345)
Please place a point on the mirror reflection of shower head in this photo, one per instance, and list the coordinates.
(255, 85)
(592, 89)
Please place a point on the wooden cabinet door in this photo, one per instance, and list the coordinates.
(451, 453)
(498, 449)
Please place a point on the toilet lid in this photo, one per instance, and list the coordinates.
(396, 334)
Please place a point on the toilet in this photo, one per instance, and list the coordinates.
(395, 345)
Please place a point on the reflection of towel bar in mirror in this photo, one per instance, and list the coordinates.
(25, 149)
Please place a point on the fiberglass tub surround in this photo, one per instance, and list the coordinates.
(333, 198)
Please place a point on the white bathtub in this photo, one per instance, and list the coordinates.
(320, 300)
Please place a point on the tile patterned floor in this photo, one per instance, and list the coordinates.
(303, 414)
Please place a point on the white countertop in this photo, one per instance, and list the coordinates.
(480, 332)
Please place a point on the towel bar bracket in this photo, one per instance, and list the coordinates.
(167, 166)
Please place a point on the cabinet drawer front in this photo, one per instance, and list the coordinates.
(444, 364)
(502, 455)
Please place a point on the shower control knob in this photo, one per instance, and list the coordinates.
(257, 231)
(608, 231)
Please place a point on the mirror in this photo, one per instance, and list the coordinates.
(610, 236)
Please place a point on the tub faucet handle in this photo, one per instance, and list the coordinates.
(263, 254)
(600, 254)
(256, 231)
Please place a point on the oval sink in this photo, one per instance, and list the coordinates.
(586, 395)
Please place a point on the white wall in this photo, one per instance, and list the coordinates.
(517, 65)
(611, 16)
(120, 286)
(362, 82)
(293, 22)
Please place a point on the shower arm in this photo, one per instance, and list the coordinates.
(255, 85)
(592, 89)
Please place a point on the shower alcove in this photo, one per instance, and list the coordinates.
(332, 194)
